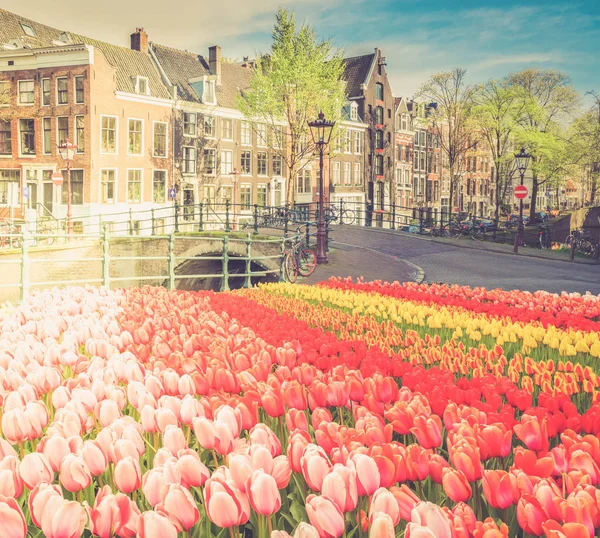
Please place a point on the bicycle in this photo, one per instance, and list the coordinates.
(298, 260)
(343, 215)
(582, 243)
(545, 236)
(9, 235)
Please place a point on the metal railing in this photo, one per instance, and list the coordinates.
(248, 246)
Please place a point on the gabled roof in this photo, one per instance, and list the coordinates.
(356, 70)
(180, 66)
(128, 63)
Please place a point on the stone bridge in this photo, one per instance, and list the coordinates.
(137, 261)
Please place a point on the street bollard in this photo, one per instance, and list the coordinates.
(227, 226)
(255, 219)
(393, 215)
(200, 217)
(153, 223)
(225, 279)
(248, 279)
(105, 257)
(176, 206)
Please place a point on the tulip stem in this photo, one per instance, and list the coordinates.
(215, 460)
(231, 534)
(270, 525)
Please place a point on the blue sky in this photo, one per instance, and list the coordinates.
(489, 38)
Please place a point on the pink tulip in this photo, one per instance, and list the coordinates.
(263, 493)
(232, 417)
(128, 474)
(383, 501)
(125, 448)
(180, 507)
(74, 473)
(381, 526)
(315, 466)
(261, 434)
(34, 469)
(154, 525)
(305, 530)
(38, 499)
(193, 472)
(16, 427)
(433, 517)
(12, 520)
(241, 468)
(148, 419)
(413, 530)
(113, 515)
(297, 442)
(226, 506)
(106, 412)
(94, 457)
(11, 483)
(174, 439)
(155, 479)
(367, 473)
(325, 516)
(340, 486)
(205, 432)
(281, 471)
(63, 519)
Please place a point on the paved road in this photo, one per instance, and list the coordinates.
(456, 265)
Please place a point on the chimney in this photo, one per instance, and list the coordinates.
(139, 40)
(214, 61)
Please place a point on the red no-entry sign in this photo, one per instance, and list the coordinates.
(521, 191)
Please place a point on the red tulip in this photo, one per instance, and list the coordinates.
(437, 464)
(455, 485)
(154, 525)
(489, 529)
(580, 508)
(553, 529)
(428, 431)
(582, 461)
(550, 497)
(325, 516)
(407, 499)
(263, 493)
(495, 441)
(297, 442)
(531, 515)
(533, 432)
(465, 457)
(500, 489)
(12, 520)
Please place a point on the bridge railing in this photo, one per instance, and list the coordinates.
(23, 254)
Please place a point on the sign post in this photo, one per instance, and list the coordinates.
(520, 192)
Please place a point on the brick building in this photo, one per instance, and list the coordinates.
(404, 137)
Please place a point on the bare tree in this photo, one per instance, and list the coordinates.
(452, 119)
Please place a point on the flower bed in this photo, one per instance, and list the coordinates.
(318, 412)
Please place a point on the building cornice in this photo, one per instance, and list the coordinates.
(146, 99)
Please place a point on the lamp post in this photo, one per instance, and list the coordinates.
(234, 179)
(321, 130)
(67, 151)
(522, 160)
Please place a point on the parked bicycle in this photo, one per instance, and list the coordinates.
(10, 235)
(545, 235)
(582, 243)
(342, 214)
(298, 260)
(482, 228)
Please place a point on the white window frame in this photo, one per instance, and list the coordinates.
(214, 153)
(138, 79)
(183, 171)
(165, 156)
(260, 141)
(28, 29)
(115, 187)
(336, 173)
(266, 154)
(305, 172)
(357, 174)
(277, 156)
(278, 136)
(75, 78)
(353, 112)
(45, 150)
(195, 133)
(19, 82)
(21, 154)
(154, 170)
(141, 153)
(42, 91)
(116, 118)
(241, 167)
(56, 90)
(141, 170)
(348, 142)
(242, 185)
(75, 132)
(347, 180)
(9, 83)
(245, 129)
(214, 127)
(20, 174)
(224, 122)
(230, 162)
(209, 96)
(258, 187)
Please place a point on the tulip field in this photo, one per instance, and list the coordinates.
(347, 409)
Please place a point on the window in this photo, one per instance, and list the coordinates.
(5, 88)
(246, 134)
(27, 136)
(277, 137)
(107, 184)
(25, 92)
(422, 160)
(403, 122)
(389, 113)
(189, 160)
(261, 161)
(416, 160)
(45, 86)
(159, 146)
(378, 165)
(189, 124)
(422, 138)
(134, 186)
(246, 195)
(358, 143)
(353, 113)
(62, 91)
(261, 194)
(379, 91)
(209, 126)
(79, 92)
(378, 139)
(62, 129)
(135, 137)
(109, 134)
(370, 110)
(416, 140)
(209, 92)
(141, 86)
(261, 134)
(226, 195)
(379, 115)
(76, 187)
(336, 173)
(226, 162)
(159, 186)
(348, 141)
(246, 162)
(227, 129)
(304, 182)
(28, 29)
(80, 133)
(5, 137)
(347, 173)
(6, 177)
(209, 194)
(357, 174)
(209, 161)
(277, 165)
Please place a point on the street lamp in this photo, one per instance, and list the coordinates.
(234, 179)
(522, 161)
(67, 151)
(320, 130)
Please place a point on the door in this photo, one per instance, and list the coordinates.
(188, 203)
(48, 198)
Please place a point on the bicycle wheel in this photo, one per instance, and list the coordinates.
(307, 262)
(46, 237)
(587, 248)
(348, 217)
(290, 268)
(455, 230)
(477, 233)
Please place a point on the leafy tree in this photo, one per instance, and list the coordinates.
(299, 77)
(498, 107)
(550, 100)
(452, 119)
